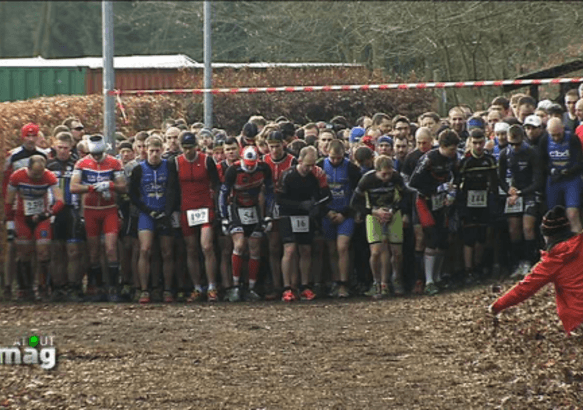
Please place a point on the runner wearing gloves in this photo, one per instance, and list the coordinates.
(97, 177)
(148, 192)
(433, 179)
(381, 196)
(302, 194)
(241, 215)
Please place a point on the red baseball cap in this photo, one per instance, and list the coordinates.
(29, 129)
(368, 141)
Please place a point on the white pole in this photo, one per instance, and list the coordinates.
(108, 73)
(208, 70)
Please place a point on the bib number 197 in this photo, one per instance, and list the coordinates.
(197, 216)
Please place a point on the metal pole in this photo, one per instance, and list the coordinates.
(208, 70)
(108, 73)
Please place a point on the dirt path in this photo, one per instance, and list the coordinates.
(409, 353)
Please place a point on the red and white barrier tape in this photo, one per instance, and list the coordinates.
(393, 86)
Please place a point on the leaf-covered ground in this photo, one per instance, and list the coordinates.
(409, 353)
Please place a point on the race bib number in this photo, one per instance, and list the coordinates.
(33, 206)
(175, 219)
(477, 199)
(197, 216)
(248, 216)
(437, 201)
(300, 224)
(516, 208)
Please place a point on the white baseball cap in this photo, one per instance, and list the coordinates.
(501, 127)
(533, 120)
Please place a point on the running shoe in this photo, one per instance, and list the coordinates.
(181, 297)
(7, 294)
(58, 295)
(74, 295)
(521, 271)
(273, 295)
(252, 296)
(334, 290)
(398, 288)
(418, 289)
(195, 296)
(21, 295)
(233, 294)
(144, 298)
(343, 292)
(168, 298)
(431, 289)
(378, 295)
(113, 295)
(126, 293)
(289, 296)
(212, 295)
(307, 294)
(386, 292)
(372, 291)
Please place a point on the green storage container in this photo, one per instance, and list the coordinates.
(21, 83)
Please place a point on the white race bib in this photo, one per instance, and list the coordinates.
(276, 211)
(477, 199)
(248, 216)
(33, 206)
(175, 219)
(197, 216)
(300, 224)
(516, 208)
(437, 201)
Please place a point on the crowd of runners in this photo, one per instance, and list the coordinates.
(386, 206)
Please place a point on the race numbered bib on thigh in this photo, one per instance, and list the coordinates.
(33, 206)
(300, 224)
(477, 199)
(437, 201)
(197, 217)
(248, 216)
(516, 208)
(175, 219)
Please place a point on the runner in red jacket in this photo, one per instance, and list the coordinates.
(560, 264)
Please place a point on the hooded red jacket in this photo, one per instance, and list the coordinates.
(563, 266)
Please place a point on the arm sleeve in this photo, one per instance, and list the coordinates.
(537, 175)
(544, 152)
(493, 175)
(502, 170)
(171, 187)
(353, 178)
(575, 147)
(358, 200)
(213, 173)
(404, 204)
(542, 273)
(230, 177)
(136, 182)
(420, 175)
(281, 195)
(268, 181)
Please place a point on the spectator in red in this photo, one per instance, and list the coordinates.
(560, 264)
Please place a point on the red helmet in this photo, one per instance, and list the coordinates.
(29, 129)
(249, 159)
